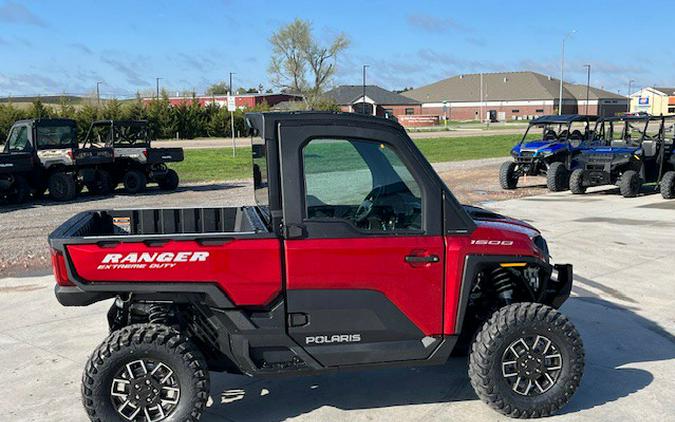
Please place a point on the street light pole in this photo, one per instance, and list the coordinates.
(98, 94)
(630, 84)
(157, 87)
(234, 142)
(588, 85)
(562, 70)
(363, 107)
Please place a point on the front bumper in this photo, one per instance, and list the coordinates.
(560, 284)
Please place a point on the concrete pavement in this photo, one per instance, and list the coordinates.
(623, 304)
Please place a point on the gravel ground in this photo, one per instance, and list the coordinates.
(24, 230)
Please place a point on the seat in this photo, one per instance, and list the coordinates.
(649, 147)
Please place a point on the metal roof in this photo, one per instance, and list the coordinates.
(504, 86)
(348, 94)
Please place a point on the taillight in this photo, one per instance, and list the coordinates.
(59, 268)
(145, 152)
(70, 153)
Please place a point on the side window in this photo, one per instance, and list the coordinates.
(18, 139)
(362, 182)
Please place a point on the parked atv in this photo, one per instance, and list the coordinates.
(356, 255)
(58, 164)
(635, 152)
(136, 162)
(562, 137)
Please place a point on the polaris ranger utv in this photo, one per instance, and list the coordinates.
(562, 137)
(636, 150)
(58, 163)
(356, 255)
(136, 162)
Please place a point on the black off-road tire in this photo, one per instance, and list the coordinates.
(151, 341)
(557, 177)
(20, 191)
(668, 185)
(103, 185)
(577, 182)
(62, 187)
(135, 181)
(170, 181)
(505, 327)
(507, 178)
(630, 183)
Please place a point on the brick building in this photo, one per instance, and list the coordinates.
(380, 102)
(242, 101)
(511, 96)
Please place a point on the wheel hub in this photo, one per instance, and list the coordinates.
(145, 390)
(531, 365)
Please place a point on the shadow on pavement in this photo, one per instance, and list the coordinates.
(614, 336)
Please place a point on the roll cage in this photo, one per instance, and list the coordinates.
(118, 133)
(560, 128)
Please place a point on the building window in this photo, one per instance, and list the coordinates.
(409, 111)
(539, 110)
(515, 111)
(671, 109)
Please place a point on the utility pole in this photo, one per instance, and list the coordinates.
(157, 85)
(363, 108)
(481, 98)
(562, 70)
(630, 84)
(234, 142)
(98, 94)
(588, 84)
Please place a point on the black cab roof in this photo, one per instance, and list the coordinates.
(563, 119)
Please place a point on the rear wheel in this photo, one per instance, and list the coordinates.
(577, 181)
(170, 181)
(145, 372)
(20, 191)
(668, 185)
(557, 177)
(527, 361)
(630, 183)
(135, 181)
(62, 187)
(507, 175)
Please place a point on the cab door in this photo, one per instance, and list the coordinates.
(363, 245)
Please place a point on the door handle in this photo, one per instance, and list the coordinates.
(422, 259)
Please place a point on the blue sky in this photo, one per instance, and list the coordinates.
(49, 47)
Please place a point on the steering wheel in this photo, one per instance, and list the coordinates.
(550, 135)
(366, 208)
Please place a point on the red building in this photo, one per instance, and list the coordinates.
(242, 101)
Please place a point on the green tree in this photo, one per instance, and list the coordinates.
(39, 111)
(300, 63)
(219, 88)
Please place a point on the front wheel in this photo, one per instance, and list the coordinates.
(20, 191)
(668, 185)
(577, 182)
(557, 177)
(145, 372)
(135, 181)
(527, 361)
(507, 175)
(630, 183)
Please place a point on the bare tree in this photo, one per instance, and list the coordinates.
(300, 64)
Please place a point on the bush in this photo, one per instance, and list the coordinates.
(189, 120)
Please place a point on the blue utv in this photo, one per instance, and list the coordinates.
(635, 150)
(551, 154)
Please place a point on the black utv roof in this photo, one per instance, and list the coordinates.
(49, 122)
(120, 122)
(257, 121)
(563, 118)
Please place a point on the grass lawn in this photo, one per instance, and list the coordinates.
(203, 165)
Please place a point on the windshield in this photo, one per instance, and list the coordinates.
(56, 136)
(552, 132)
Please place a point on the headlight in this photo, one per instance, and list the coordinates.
(540, 243)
